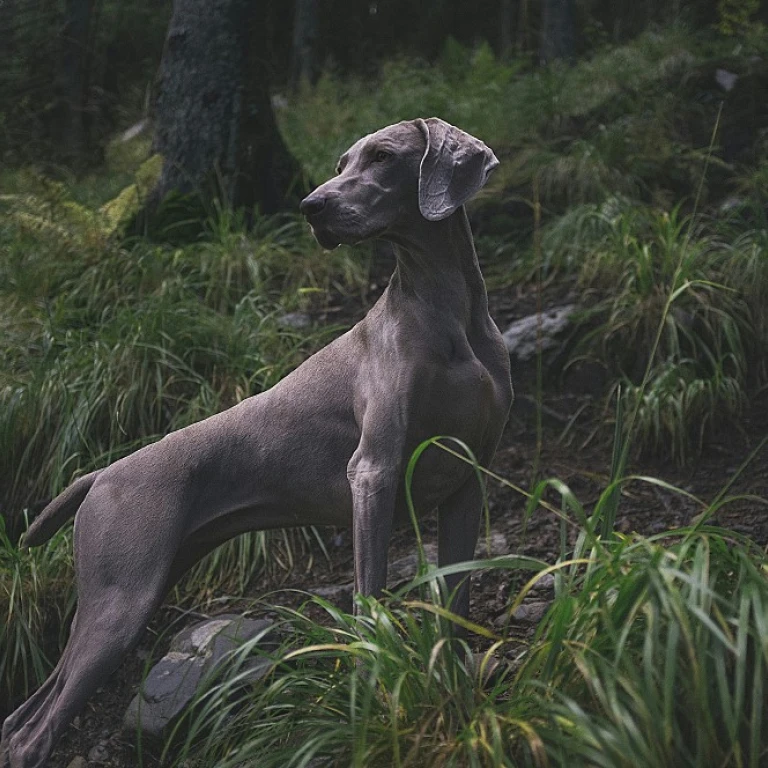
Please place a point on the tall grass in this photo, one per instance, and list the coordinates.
(36, 603)
(107, 343)
(652, 653)
(630, 260)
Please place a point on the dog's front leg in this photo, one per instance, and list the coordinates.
(374, 489)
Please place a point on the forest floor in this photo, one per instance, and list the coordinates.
(581, 459)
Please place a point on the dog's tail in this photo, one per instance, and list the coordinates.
(61, 509)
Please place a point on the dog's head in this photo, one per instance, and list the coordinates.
(419, 168)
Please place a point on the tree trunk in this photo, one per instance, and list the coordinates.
(214, 121)
(506, 15)
(70, 85)
(305, 32)
(7, 27)
(557, 30)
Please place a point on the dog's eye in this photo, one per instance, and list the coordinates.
(381, 156)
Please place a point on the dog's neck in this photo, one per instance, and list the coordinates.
(437, 265)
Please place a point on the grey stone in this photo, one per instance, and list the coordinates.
(501, 620)
(404, 569)
(194, 653)
(726, 80)
(338, 594)
(398, 573)
(98, 754)
(78, 762)
(545, 583)
(521, 337)
(531, 612)
(499, 545)
(297, 320)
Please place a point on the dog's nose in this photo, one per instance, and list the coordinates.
(312, 205)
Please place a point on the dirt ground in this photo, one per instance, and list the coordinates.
(570, 451)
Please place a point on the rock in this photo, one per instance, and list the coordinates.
(403, 570)
(78, 762)
(98, 754)
(194, 653)
(398, 573)
(531, 612)
(546, 583)
(725, 79)
(499, 545)
(296, 320)
(521, 337)
(338, 594)
(501, 620)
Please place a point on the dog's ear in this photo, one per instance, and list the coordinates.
(454, 168)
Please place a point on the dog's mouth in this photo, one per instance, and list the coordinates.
(335, 228)
(324, 237)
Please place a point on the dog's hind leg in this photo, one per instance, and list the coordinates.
(120, 583)
(102, 634)
(458, 521)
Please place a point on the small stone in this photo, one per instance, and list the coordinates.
(531, 612)
(522, 337)
(498, 542)
(78, 762)
(501, 620)
(725, 79)
(297, 320)
(98, 754)
(546, 583)
(404, 569)
(338, 594)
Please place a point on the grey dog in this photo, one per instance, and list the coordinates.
(328, 445)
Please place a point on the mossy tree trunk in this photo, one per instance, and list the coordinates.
(215, 127)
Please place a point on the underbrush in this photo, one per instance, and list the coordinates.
(651, 653)
(677, 315)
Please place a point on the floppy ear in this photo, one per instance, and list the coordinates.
(454, 168)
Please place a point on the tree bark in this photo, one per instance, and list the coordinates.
(557, 31)
(305, 33)
(214, 121)
(506, 15)
(70, 86)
